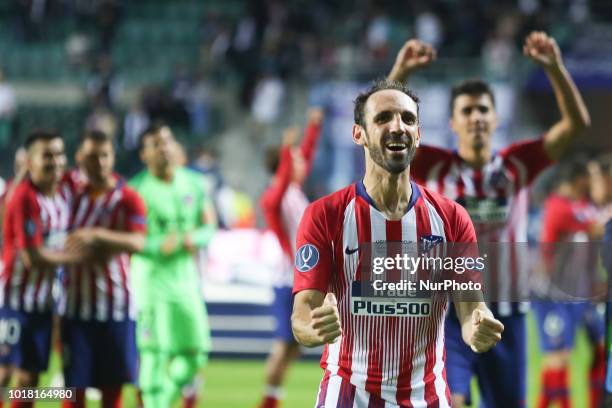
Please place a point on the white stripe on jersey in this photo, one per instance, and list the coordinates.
(17, 278)
(29, 293)
(46, 286)
(333, 391)
(102, 293)
(450, 181)
(118, 293)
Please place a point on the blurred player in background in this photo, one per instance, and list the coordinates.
(98, 327)
(283, 204)
(568, 216)
(20, 170)
(173, 335)
(391, 360)
(34, 231)
(607, 261)
(493, 187)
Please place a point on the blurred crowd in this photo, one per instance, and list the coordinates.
(254, 50)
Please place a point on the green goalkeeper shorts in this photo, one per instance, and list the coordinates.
(173, 327)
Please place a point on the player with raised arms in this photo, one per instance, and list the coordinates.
(173, 334)
(392, 360)
(283, 204)
(493, 187)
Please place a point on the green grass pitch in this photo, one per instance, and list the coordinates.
(239, 383)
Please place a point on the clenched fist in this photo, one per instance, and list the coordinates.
(325, 320)
(542, 49)
(485, 331)
(413, 55)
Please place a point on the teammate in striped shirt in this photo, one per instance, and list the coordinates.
(34, 230)
(283, 204)
(493, 187)
(568, 217)
(394, 360)
(98, 325)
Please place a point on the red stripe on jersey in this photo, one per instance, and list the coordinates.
(478, 184)
(460, 185)
(323, 389)
(448, 393)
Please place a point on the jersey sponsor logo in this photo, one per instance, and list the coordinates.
(487, 210)
(30, 228)
(350, 251)
(306, 258)
(409, 308)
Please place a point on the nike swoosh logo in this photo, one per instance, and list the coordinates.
(350, 251)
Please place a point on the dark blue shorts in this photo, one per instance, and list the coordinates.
(25, 339)
(282, 309)
(99, 354)
(501, 372)
(558, 322)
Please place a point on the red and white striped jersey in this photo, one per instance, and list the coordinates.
(31, 220)
(401, 359)
(496, 197)
(102, 291)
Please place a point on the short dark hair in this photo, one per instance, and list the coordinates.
(272, 158)
(95, 135)
(40, 134)
(470, 87)
(380, 85)
(152, 129)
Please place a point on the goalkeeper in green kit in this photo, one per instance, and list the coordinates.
(173, 335)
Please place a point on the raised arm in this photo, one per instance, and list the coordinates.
(282, 177)
(544, 51)
(415, 54)
(311, 136)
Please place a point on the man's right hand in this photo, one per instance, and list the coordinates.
(325, 320)
(413, 55)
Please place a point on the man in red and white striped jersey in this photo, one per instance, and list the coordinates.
(493, 187)
(283, 204)
(34, 230)
(392, 357)
(98, 310)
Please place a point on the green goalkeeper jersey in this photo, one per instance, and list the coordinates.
(172, 207)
